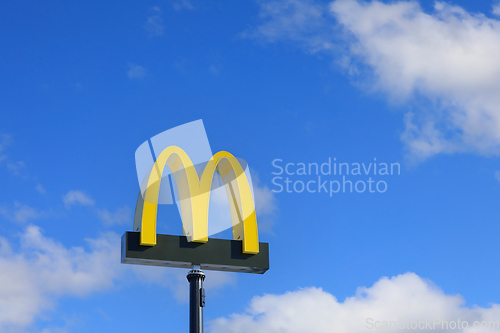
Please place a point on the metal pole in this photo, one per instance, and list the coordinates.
(196, 299)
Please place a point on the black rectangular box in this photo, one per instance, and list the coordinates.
(176, 251)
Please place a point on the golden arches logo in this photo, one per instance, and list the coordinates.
(194, 193)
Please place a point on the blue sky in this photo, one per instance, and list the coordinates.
(416, 83)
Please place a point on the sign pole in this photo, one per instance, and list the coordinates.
(196, 299)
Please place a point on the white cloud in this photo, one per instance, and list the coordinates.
(17, 168)
(21, 213)
(136, 71)
(41, 270)
(5, 141)
(302, 21)
(448, 57)
(496, 9)
(40, 188)
(55, 330)
(77, 198)
(154, 23)
(120, 217)
(38, 271)
(314, 310)
(182, 4)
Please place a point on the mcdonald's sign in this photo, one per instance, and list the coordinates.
(242, 254)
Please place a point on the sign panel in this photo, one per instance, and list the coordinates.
(194, 184)
(176, 251)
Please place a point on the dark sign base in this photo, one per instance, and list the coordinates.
(176, 251)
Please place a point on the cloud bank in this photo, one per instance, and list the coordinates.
(136, 71)
(74, 197)
(154, 23)
(21, 213)
(41, 270)
(405, 296)
(38, 270)
(446, 60)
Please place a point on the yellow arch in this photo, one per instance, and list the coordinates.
(194, 194)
